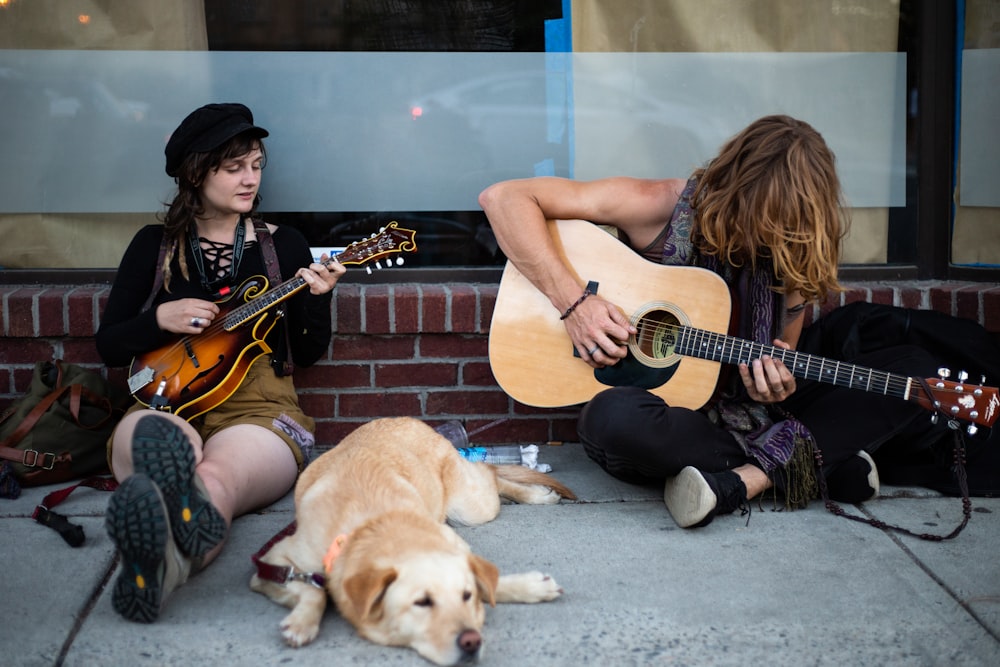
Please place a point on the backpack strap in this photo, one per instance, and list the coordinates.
(282, 367)
(32, 458)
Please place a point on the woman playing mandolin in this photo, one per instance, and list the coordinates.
(244, 437)
(766, 215)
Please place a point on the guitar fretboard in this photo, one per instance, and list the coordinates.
(713, 346)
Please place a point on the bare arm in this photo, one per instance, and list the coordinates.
(517, 211)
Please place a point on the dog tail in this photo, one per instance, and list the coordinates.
(525, 475)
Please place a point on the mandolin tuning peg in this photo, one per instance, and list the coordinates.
(368, 269)
(399, 262)
(934, 418)
(378, 264)
(944, 373)
(972, 429)
(962, 376)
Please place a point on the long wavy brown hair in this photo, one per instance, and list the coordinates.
(187, 205)
(773, 191)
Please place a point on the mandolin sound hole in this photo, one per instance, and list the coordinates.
(656, 340)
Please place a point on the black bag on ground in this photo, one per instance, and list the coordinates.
(59, 429)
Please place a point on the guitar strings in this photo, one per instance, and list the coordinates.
(651, 329)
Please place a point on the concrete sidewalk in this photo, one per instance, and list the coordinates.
(792, 588)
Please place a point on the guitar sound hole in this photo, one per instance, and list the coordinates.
(657, 336)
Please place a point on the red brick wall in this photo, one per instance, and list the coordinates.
(418, 350)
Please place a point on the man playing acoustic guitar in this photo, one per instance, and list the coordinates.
(229, 435)
(766, 215)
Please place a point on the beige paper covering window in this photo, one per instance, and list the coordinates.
(71, 241)
(750, 26)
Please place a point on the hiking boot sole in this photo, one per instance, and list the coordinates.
(162, 451)
(689, 498)
(137, 523)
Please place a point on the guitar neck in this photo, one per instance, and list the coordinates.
(713, 346)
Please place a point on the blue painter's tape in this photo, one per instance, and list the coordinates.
(558, 90)
(546, 167)
(558, 37)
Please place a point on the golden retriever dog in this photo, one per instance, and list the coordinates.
(370, 527)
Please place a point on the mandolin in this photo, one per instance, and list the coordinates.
(681, 315)
(195, 373)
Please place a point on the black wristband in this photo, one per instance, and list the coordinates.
(569, 311)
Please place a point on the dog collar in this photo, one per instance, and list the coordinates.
(333, 552)
(283, 574)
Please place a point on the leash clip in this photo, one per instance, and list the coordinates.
(312, 578)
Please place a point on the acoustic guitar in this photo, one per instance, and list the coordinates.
(196, 373)
(682, 317)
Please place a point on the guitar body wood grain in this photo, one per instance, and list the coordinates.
(532, 356)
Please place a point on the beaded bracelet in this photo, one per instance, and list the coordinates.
(569, 311)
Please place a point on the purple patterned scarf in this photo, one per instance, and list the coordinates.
(766, 433)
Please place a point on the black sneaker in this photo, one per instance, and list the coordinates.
(854, 481)
(694, 497)
(162, 451)
(151, 567)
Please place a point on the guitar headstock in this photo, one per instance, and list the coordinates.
(965, 402)
(392, 239)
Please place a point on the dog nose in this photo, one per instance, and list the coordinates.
(469, 642)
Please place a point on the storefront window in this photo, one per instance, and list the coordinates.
(386, 110)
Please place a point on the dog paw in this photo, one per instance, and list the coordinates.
(542, 495)
(527, 587)
(296, 633)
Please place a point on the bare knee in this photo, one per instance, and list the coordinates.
(121, 442)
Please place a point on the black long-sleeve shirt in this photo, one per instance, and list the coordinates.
(125, 331)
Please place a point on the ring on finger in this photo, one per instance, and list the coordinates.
(196, 322)
(595, 349)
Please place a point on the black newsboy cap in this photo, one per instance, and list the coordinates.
(206, 128)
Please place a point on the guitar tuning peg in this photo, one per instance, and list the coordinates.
(399, 262)
(962, 376)
(972, 429)
(378, 264)
(934, 418)
(368, 269)
(944, 373)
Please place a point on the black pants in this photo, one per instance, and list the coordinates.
(638, 438)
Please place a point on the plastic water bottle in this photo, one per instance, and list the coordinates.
(496, 455)
(525, 455)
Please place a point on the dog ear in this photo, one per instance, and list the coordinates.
(487, 577)
(366, 590)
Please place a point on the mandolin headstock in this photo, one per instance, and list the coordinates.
(391, 240)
